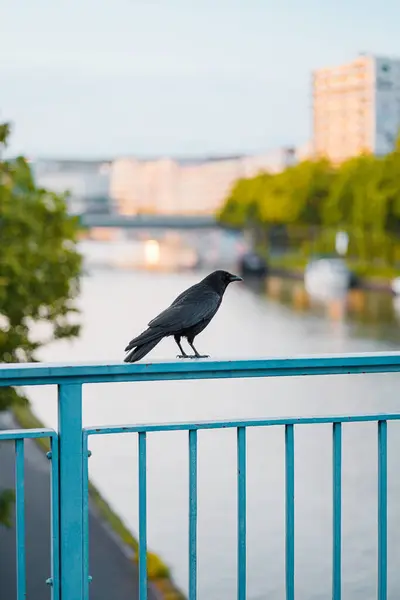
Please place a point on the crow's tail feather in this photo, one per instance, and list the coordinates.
(141, 348)
(149, 335)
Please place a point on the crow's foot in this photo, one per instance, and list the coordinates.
(184, 356)
(200, 356)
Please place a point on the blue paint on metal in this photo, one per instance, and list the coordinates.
(20, 517)
(198, 425)
(22, 434)
(55, 525)
(71, 490)
(382, 510)
(40, 374)
(289, 534)
(69, 462)
(337, 511)
(18, 436)
(85, 516)
(241, 488)
(192, 514)
(142, 518)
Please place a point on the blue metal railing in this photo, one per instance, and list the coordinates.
(69, 454)
(19, 436)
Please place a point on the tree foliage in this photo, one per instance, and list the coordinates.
(361, 196)
(39, 267)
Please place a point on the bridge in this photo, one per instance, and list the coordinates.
(68, 464)
(149, 221)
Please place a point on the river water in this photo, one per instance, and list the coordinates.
(116, 304)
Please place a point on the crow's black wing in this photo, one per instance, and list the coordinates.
(191, 292)
(189, 311)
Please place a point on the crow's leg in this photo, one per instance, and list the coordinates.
(196, 354)
(177, 339)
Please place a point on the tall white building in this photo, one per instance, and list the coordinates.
(356, 108)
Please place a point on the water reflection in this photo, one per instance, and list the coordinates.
(374, 314)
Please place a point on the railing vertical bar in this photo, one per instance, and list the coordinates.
(142, 518)
(337, 511)
(55, 523)
(85, 516)
(241, 484)
(20, 518)
(289, 468)
(382, 510)
(192, 514)
(71, 488)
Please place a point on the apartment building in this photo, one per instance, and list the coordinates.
(356, 108)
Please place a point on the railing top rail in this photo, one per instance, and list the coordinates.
(19, 434)
(58, 373)
(219, 424)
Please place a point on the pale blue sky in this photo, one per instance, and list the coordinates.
(112, 77)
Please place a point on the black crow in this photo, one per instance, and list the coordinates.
(187, 316)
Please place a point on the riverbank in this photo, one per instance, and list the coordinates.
(158, 573)
(369, 277)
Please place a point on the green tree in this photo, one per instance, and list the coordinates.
(391, 179)
(242, 205)
(359, 202)
(40, 268)
(297, 194)
(309, 202)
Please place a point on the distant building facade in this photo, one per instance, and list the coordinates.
(88, 183)
(131, 186)
(167, 186)
(356, 108)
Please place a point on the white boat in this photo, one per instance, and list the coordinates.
(395, 285)
(327, 277)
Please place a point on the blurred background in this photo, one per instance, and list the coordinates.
(145, 144)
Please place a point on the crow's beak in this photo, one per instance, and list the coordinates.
(236, 278)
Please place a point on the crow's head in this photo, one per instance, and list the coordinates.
(219, 280)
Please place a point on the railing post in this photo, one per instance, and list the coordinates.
(71, 491)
